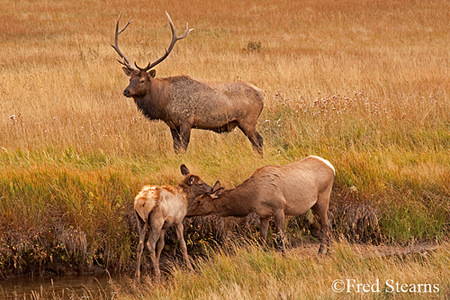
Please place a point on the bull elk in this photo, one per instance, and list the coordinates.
(275, 191)
(160, 207)
(184, 103)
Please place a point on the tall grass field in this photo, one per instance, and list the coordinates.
(363, 84)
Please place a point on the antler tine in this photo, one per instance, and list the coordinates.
(144, 69)
(173, 29)
(175, 38)
(125, 62)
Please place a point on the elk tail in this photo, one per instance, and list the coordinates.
(146, 201)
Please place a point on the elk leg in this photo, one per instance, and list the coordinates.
(160, 245)
(181, 137)
(183, 247)
(185, 134)
(142, 231)
(151, 245)
(322, 212)
(254, 137)
(259, 140)
(264, 228)
(279, 221)
(177, 145)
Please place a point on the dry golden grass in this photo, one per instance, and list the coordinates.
(61, 82)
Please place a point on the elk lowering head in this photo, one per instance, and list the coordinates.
(275, 191)
(140, 77)
(203, 205)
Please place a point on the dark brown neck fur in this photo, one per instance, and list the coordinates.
(236, 202)
(150, 104)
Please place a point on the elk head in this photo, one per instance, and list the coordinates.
(140, 77)
(204, 204)
(192, 185)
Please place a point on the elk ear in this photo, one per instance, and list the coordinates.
(184, 170)
(216, 186)
(152, 73)
(220, 191)
(127, 71)
(217, 190)
(191, 180)
(217, 193)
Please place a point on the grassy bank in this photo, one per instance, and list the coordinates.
(249, 273)
(362, 84)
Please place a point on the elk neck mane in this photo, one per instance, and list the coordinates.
(151, 105)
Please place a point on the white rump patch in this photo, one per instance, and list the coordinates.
(325, 161)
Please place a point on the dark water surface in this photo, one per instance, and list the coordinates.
(58, 287)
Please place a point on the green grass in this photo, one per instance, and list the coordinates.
(249, 273)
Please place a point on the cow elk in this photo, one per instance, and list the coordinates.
(184, 103)
(275, 191)
(160, 207)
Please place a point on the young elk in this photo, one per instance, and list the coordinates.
(184, 103)
(160, 207)
(275, 191)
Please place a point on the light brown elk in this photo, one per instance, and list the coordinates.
(160, 207)
(275, 191)
(184, 103)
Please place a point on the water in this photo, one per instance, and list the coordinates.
(59, 287)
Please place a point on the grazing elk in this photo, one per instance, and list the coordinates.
(275, 191)
(160, 207)
(184, 103)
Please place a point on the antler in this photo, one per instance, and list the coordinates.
(175, 38)
(125, 62)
